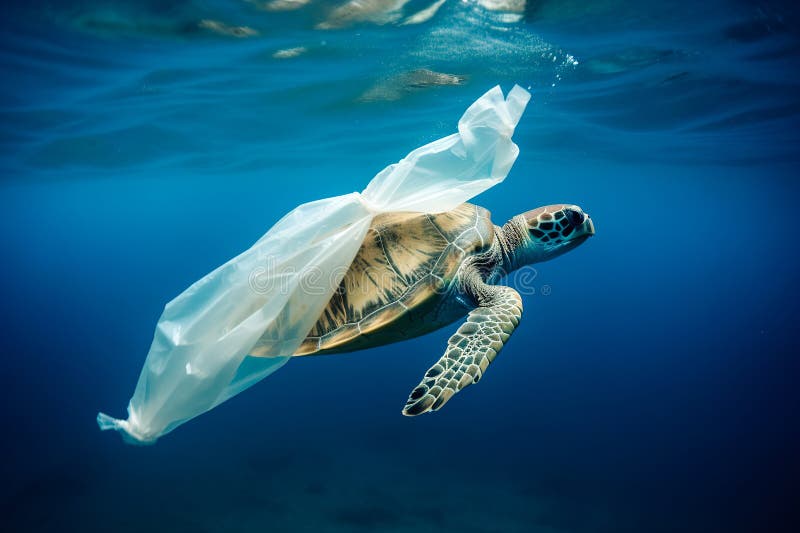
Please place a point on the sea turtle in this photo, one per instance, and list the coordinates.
(416, 273)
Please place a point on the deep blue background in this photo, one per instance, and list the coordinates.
(654, 389)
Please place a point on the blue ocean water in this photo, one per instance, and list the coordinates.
(651, 385)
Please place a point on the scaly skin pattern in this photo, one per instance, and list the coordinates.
(535, 236)
(470, 350)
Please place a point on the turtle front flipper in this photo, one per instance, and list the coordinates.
(470, 349)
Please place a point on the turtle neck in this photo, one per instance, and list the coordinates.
(513, 237)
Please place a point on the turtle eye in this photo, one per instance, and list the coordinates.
(574, 217)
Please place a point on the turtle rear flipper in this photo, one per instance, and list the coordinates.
(470, 349)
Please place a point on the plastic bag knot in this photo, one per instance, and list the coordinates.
(372, 207)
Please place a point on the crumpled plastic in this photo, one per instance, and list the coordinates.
(244, 320)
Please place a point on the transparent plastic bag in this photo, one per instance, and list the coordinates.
(245, 319)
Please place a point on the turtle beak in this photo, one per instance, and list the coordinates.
(588, 226)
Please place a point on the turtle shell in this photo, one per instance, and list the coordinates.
(397, 286)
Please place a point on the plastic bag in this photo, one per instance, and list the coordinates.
(245, 319)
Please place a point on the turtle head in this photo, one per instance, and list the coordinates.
(551, 231)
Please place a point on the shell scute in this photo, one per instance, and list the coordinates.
(404, 266)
